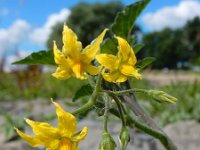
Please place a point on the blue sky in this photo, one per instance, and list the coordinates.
(26, 24)
(36, 12)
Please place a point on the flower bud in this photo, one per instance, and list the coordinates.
(107, 142)
(161, 96)
(124, 138)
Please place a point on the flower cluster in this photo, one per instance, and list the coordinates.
(62, 137)
(75, 61)
(119, 68)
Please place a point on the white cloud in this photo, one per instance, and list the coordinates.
(21, 32)
(172, 17)
(14, 57)
(40, 35)
(11, 37)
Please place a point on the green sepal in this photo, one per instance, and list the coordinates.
(145, 62)
(109, 46)
(137, 47)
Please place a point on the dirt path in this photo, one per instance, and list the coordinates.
(168, 77)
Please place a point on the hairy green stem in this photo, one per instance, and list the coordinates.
(119, 107)
(92, 99)
(133, 104)
(106, 115)
(126, 91)
(85, 107)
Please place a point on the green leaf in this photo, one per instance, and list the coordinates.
(145, 62)
(138, 47)
(41, 57)
(109, 46)
(83, 91)
(132, 39)
(125, 20)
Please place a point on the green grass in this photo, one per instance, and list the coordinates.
(47, 87)
(187, 106)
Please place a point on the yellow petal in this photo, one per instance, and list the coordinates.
(93, 70)
(59, 57)
(92, 49)
(107, 60)
(132, 59)
(114, 77)
(72, 46)
(66, 144)
(130, 71)
(66, 121)
(62, 72)
(52, 145)
(34, 142)
(125, 51)
(45, 135)
(43, 130)
(121, 78)
(81, 136)
(78, 71)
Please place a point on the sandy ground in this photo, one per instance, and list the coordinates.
(169, 77)
(186, 134)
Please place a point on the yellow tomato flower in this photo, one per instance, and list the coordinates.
(62, 137)
(73, 60)
(119, 68)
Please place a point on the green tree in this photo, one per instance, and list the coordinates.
(87, 20)
(173, 47)
(192, 33)
(167, 47)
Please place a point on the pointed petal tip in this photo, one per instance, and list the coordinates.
(54, 45)
(81, 135)
(65, 27)
(55, 104)
(29, 121)
(86, 129)
(17, 130)
(52, 100)
(26, 119)
(54, 75)
(105, 30)
(117, 37)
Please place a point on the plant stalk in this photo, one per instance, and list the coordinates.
(106, 115)
(92, 99)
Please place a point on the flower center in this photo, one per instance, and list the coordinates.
(67, 144)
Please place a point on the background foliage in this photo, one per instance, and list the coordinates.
(174, 49)
(87, 20)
